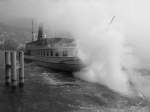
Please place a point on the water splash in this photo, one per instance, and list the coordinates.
(104, 61)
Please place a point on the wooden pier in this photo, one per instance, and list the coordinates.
(14, 69)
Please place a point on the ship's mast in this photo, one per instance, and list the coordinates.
(32, 31)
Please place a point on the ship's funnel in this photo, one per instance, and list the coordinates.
(40, 32)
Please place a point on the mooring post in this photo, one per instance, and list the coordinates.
(7, 68)
(13, 69)
(21, 69)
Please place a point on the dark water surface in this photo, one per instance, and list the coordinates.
(46, 91)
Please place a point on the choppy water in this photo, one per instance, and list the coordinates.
(77, 95)
(47, 91)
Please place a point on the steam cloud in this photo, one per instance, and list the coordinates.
(102, 46)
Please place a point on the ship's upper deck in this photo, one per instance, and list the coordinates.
(63, 45)
(55, 42)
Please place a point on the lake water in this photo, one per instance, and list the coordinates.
(47, 91)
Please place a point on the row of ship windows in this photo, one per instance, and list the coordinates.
(45, 52)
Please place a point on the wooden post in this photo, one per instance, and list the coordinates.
(21, 69)
(7, 68)
(13, 69)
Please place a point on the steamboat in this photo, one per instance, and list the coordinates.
(57, 53)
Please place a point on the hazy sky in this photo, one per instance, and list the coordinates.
(133, 14)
